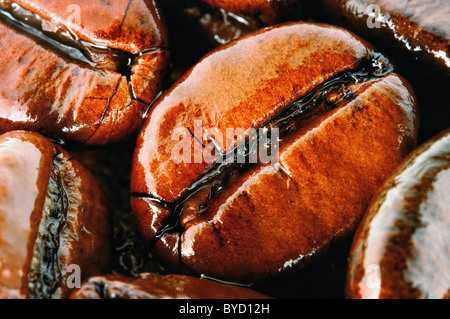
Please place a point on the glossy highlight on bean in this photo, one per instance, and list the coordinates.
(58, 219)
(89, 81)
(401, 247)
(265, 150)
(209, 213)
(270, 12)
(415, 34)
(314, 103)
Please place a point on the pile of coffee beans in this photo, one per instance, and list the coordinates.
(212, 149)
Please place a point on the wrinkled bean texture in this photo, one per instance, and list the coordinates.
(153, 286)
(52, 215)
(84, 75)
(401, 248)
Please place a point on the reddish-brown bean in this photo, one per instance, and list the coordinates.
(416, 34)
(266, 219)
(270, 11)
(401, 249)
(84, 72)
(52, 215)
(152, 286)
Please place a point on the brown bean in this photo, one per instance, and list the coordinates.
(216, 25)
(84, 72)
(154, 286)
(270, 11)
(52, 216)
(401, 248)
(345, 120)
(415, 34)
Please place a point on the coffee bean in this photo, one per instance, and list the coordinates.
(251, 221)
(401, 247)
(52, 216)
(87, 78)
(154, 286)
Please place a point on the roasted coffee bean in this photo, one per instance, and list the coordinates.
(54, 225)
(345, 121)
(269, 11)
(154, 286)
(401, 248)
(84, 72)
(416, 33)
